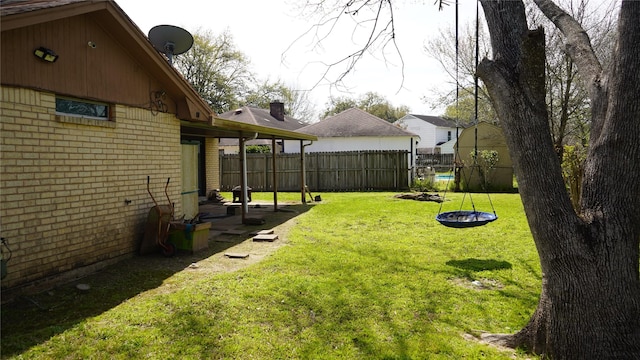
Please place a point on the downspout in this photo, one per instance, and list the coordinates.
(303, 172)
(243, 174)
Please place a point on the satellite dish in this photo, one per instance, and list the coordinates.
(170, 40)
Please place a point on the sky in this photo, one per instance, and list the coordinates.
(271, 33)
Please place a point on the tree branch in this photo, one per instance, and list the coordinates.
(577, 41)
(616, 148)
(578, 46)
(508, 18)
(381, 34)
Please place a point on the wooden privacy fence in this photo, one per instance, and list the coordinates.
(327, 171)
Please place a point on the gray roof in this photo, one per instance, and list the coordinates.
(438, 121)
(262, 117)
(11, 7)
(257, 116)
(354, 122)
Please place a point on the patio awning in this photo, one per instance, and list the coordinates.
(223, 128)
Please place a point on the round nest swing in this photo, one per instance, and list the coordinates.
(465, 218)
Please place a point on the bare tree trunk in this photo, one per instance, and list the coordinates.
(589, 306)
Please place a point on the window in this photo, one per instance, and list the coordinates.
(448, 135)
(82, 108)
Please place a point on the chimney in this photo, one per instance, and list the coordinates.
(276, 109)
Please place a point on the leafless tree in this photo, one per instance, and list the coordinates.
(216, 69)
(373, 33)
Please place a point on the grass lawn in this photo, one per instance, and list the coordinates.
(362, 276)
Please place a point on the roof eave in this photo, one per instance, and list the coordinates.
(223, 128)
(41, 15)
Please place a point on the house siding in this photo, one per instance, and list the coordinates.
(430, 134)
(108, 72)
(426, 131)
(442, 134)
(65, 183)
(355, 143)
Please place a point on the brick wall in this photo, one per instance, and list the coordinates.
(212, 166)
(73, 192)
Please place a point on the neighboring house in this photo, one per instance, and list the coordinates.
(90, 111)
(489, 137)
(354, 130)
(274, 117)
(434, 132)
(449, 146)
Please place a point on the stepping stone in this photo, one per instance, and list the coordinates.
(265, 237)
(237, 255)
(261, 232)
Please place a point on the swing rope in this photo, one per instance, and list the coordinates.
(466, 218)
(475, 100)
(457, 151)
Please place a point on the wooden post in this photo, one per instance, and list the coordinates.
(243, 177)
(303, 190)
(275, 174)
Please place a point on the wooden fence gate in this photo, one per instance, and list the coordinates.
(330, 171)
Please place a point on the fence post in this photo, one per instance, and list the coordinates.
(302, 174)
(265, 175)
(274, 173)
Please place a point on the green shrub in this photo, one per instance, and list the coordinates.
(424, 184)
(487, 161)
(258, 149)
